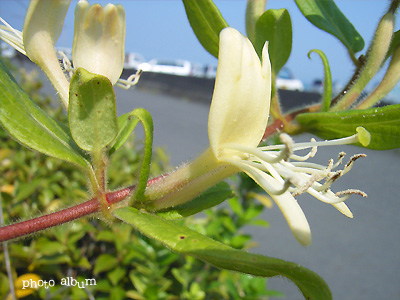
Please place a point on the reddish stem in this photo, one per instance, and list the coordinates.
(60, 217)
(66, 215)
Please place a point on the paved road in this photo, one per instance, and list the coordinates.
(357, 257)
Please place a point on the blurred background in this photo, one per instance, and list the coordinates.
(357, 257)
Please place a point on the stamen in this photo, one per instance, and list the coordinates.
(262, 178)
(312, 153)
(350, 164)
(66, 63)
(130, 81)
(351, 192)
(11, 36)
(340, 159)
(269, 157)
(288, 142)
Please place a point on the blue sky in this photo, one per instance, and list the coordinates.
(159, 29)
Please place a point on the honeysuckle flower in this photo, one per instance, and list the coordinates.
(99, 39)
(237, 122)
(42, 28)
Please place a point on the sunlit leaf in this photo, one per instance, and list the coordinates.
(328, 17)
(26, 122)
(206, 21)
(275, 26)
(92, 111)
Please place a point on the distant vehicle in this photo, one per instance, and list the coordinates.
(210, 71)
(286, 81)
(133, 60)
(174, 67)
(317, 86)
(197, 70)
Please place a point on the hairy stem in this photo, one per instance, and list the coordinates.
(60, 217)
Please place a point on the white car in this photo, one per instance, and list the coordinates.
(133, 61)
(210, 71)
(286, 81)
(174, 67)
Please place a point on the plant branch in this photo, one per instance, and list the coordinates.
(60, 217)
(84, 209)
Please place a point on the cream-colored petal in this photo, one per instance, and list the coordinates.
(342, 207)
(42, 28)
(295, 217)
(99, 39)
(44, 17)
(240, 105)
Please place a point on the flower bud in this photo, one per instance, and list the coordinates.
(99, 39)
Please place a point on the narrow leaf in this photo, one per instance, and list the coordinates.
(327, 96)
(275, 26)
(92, 112)
(26, 122)
(206, 21)
(186, 241)
(328, 17)
(383, 123)
(210, 198)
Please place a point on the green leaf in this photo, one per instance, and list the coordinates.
(189, 242)
(212, 197)
(147, 121)
(31, 126)
(105, 262)
(328, 17)
(126, 125)
(275, 26)
(92, 111)
(116, 275)
(393, 44)
(207, 22)
(326, 99)
(383, 123)
(26, 189)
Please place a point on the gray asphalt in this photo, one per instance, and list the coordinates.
(357, 257)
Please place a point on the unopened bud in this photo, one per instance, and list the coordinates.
(373, 62)
(389, 81)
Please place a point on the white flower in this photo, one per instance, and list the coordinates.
(98, 47)
(42, 28)
(99, 39)
(237, 121)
